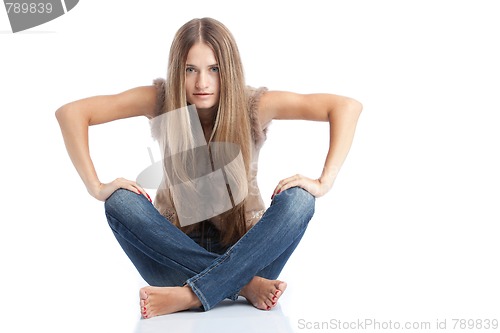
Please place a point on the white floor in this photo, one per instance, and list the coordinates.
(226, 317)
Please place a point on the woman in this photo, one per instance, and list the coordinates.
(236, 251)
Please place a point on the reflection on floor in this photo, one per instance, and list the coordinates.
(228, 316)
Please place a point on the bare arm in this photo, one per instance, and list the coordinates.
(341, 112)
(75, 118)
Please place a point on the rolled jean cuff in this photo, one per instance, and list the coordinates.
(199, 294)
(202, 298)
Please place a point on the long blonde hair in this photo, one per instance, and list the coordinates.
(232, 121)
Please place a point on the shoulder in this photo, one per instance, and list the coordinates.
(254, 96)
(159, 85)
(259, 130)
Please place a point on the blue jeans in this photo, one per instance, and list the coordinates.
(166, 256)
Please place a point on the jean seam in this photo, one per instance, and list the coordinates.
(191, 282)
(221, 260)
(226, 255)
(200, 296)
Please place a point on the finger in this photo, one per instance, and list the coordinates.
(276, 190)
(127, 185)
(293, 183)
(132, 188)
(305, 183)
(142, 191)
(311, 186)
(282, 185)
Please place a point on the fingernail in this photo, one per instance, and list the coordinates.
(269, 308)
(276, 292)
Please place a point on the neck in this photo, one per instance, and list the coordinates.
(207, 120)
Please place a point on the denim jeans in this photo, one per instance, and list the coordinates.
(166, 256)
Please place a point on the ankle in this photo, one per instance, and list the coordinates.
(243, 292)
(193, 300)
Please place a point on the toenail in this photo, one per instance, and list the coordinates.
(269, 308)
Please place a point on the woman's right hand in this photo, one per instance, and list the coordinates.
(102, 191)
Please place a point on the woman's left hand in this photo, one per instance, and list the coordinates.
(317, 187)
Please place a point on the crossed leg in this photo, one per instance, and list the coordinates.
(161, 251)
(165, 294)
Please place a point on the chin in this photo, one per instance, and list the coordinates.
(202, 106)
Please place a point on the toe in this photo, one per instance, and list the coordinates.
(262, 305)
(147, 313)
(269, 303)
(143, 295)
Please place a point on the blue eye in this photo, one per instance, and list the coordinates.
(215, 69)
(190, 70)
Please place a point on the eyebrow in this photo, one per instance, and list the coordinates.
(213, 65)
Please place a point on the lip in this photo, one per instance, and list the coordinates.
(203, 96)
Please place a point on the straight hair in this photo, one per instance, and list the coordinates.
(231, 123)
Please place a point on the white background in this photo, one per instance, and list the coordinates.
(408, 233)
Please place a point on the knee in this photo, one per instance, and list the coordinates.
(299, 202)
(118, 200)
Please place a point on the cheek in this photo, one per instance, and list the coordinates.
(188, 89)
(216, 84)
(188, 98)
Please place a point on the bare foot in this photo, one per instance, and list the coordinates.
(263, 293)
(157, 301)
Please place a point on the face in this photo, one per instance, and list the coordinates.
(202, 77)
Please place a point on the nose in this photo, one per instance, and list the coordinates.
(202, 81)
